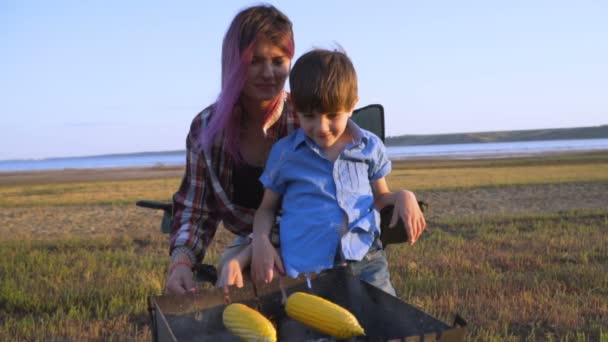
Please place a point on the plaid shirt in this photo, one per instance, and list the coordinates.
(204, 198)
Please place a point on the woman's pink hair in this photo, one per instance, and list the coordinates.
(249, 25)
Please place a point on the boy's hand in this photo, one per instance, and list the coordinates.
(230, 275)
(408, 210)
(232, 271)
(265, 260)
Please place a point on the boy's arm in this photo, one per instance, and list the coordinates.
(406, 208)
(265, 258)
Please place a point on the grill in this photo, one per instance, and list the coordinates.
(198, 317)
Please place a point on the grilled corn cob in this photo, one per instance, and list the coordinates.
(248, 324)
(323, 315)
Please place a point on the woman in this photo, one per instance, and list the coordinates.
(229, 142)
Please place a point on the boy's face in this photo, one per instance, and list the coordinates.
(325, 129)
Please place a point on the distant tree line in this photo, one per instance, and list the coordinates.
(596, 132)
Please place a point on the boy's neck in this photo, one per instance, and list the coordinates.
(333, 152)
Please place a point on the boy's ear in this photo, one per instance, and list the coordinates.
(354, 105)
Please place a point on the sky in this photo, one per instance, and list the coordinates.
(112, 76)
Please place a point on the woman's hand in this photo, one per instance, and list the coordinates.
(408, 210)
(180, 280)
(265, 260)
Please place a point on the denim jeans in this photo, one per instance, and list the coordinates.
(373, 269)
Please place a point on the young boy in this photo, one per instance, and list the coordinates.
(328, 179)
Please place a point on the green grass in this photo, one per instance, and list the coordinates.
(513, 277)
(78, 288)
(468, 174)
(415, 175)
(109, 192)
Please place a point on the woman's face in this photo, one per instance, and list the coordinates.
(267, 73)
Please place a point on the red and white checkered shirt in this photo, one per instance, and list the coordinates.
(204, 198)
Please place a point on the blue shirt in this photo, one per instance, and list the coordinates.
(320, 197)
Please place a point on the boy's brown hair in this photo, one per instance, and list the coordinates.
(323, 81)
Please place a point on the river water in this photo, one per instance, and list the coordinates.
(448, 151)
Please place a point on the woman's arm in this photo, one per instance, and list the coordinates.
(194, 224)
(406, 208)
(265, 257)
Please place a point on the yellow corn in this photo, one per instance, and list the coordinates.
(248, 324)
(323, 315)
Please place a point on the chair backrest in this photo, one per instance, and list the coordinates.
(371, 118)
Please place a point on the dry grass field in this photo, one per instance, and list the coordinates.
(515, 246)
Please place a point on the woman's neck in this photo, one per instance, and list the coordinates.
(255, 111)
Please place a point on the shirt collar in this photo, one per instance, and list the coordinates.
(299, 139)
(356, 132)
